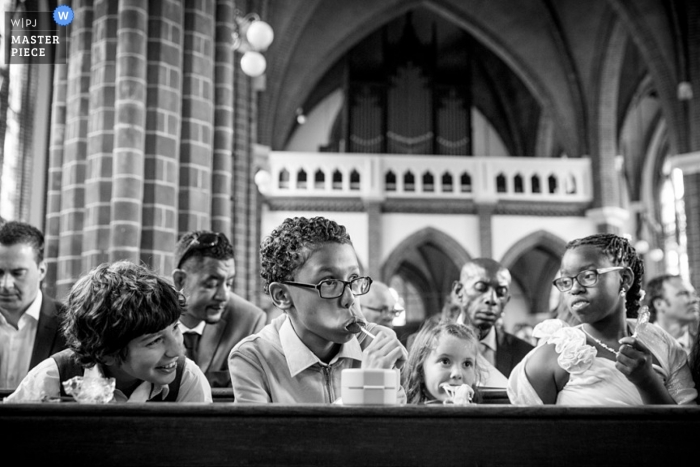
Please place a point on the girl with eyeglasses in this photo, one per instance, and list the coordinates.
(611, 358)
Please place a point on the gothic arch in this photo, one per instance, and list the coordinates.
(533, 262)
(430, 260)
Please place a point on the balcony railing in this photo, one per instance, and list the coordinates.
(295, 174)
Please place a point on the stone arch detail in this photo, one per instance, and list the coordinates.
(427, 235)
(549, 242)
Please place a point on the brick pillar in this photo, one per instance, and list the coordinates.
(75, 149)
(129, 132)
(242, 148)
(485, 213)
(100, 147)
(163, 125)
(55, 168)
(223, 120)
(197, 117)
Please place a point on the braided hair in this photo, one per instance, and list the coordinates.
(620, 253)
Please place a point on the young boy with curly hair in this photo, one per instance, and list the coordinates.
(312, 274)
(121, 322)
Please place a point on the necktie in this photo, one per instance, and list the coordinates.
(191, 340)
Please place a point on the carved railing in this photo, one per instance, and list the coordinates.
(296, 174)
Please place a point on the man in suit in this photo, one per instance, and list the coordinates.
(673, 306)
(216, 318)
(484, 290)
(29, 320)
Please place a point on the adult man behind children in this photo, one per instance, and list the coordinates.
(216, 318)
(484, 290)
(673, 306)
(29, 320)
(380, 305)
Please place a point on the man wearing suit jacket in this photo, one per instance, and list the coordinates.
(29, 320)
(216, 318)
(484, 290)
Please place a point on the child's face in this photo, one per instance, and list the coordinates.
(453, 362)
(318, 320)
(151, 357)
(601, 300)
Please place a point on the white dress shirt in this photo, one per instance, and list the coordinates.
(16, 345)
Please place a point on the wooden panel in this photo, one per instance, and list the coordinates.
(224, 434)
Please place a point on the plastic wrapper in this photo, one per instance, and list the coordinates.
(90, 390)
(642, 321)
(458, 395)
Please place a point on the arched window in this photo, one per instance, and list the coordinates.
(319, 180)
(409, 181)
(535, 184)
(501, 183)
(518, 184)
(428, 182)
(337, 180)
(552, 180)
(301, 179)
(284, 179)
(446, 182)
(354, 180)
(465, 183)
(390, 181)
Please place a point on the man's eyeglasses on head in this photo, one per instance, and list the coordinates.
(199, 242)
(587, 278)
(394, 311)
(334, 288)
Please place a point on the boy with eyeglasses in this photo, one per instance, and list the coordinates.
(312, 274)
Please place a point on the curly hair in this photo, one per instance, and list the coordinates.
(426, 341)
(114, 304)
(287, 247)
(654, 290)
(620, 253)
(222, 250)
(14, 233)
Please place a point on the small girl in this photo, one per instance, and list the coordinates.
(609, 358)
(442, 365)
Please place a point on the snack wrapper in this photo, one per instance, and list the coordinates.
(90, 390)
(642, 321)
(458, 395)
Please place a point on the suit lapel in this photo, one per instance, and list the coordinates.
(211, 337)
(46, 331)
(503, 357)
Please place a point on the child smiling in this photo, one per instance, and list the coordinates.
(312, 274)
(121, 322)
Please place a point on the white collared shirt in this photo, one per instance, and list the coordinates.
(43, 382)
(489, 346)
(16, 345)
(198, 329)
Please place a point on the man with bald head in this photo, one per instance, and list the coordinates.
(380, 305)
(483, 289)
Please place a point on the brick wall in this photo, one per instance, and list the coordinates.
(149, 115)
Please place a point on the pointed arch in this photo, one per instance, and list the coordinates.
(533, 262)
(430, 260)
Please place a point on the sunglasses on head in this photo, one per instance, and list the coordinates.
(202, 241)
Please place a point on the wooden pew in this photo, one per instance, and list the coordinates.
(323, 435)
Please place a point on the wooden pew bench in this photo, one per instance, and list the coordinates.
(322, 435)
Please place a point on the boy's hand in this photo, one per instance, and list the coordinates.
(385, 351)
